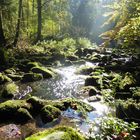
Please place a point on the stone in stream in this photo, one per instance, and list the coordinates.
(10, 90)
(58, 133)
(31, 77)
(49, 113)
(47, 73)
(4, 79)
(15, 110)
(10, 132)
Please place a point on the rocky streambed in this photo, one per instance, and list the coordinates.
(76, 95)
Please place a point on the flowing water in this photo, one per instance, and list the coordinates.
(68, 84)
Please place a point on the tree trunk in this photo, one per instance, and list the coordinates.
(2, 37)
(39, 20)
(18, 23)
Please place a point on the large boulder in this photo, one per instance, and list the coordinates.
(4, 79)
(31, 77)
(93, 81)
(15, 110)
(59, 133)
(10, 90)
(47, 73)
(49, 113)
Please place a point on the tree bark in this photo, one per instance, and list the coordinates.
(18, 23)
(2, 37)
(39, 28)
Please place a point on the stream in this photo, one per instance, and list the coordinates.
(69, 84)
(66, 84)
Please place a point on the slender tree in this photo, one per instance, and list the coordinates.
(39, 28)
(18, 23)
(2, 37)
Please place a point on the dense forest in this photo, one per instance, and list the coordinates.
(69, 69)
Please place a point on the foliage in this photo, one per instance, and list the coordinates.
(113, 128)
(125, 15)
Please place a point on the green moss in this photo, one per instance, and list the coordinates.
(15, 77)
(31, 77)
(30, 65)
(15, 110)
(10, 71)
(47, 73)
(49, 113)
(127, 82)
(61, 133)
(10, 90)
(86, 70)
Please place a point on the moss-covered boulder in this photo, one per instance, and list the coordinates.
(10, 71)
(72, 57)
(47, 73)
(15, 110)
(59, 133)
(93, 81)
(31, 77)
(4, 79)
(49, 113)
(86, 70)
(90, 90)
(15, 77)
(30, 65)
(9, 91)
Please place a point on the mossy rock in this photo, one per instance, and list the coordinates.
(15, 77)
(4, 79)
(93, 81)
(30, 65)
(31, 77)
(86, 70)
(23, 115)
(15, 110)
(9, 91)
(47, 73)
(49, 113)
(59, 133)
(72, 57)
(92, 91)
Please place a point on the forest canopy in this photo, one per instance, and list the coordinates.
(33, 20)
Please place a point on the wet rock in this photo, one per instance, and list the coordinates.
(23, 115)
(10, 71)
(72, 57)
(94, 99)
(15, 110)
(86, 70)
(15, 77)
(37, 104)
(92, 81)
(31, 77)
(47, 73)
(30, 65)
(10, 90)
(4, 79)
(59, 133)
(10, 132)
(49, 113)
